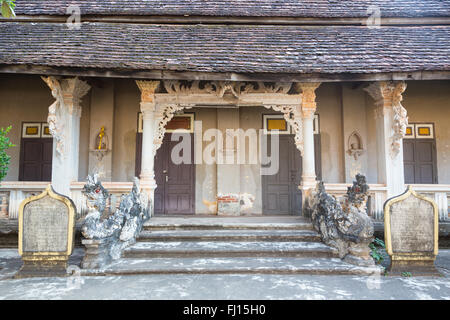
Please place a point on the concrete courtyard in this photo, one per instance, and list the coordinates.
(212, 287)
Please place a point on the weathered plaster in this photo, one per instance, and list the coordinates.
(329, 109)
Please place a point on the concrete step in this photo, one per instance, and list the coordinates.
(193, 249)
(249, 265)
(229, 235)
(228, 223)
(229, 226)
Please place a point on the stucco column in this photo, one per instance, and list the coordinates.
(64, 124)
(149, 128)
(307, 109)
(391, 122)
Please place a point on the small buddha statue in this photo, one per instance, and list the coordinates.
(101, 142)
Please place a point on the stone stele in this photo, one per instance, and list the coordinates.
(46, 234)
(411, 233)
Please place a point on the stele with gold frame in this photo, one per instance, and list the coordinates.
(52, 255)
(409, 256)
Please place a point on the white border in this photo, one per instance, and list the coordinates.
(31, 124)
(43, 135)
(413, 130)
(275, 116)
(426, 125)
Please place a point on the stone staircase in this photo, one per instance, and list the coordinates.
(244, 245)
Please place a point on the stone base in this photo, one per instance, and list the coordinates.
(43, 268)
(359, 261)
(414, 267)
(97, 253)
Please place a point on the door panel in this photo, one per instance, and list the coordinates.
(175, 193)
(35, 162)
(280, 191)
(419, 157)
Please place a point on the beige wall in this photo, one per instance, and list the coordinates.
(329, 108)
(126, 108)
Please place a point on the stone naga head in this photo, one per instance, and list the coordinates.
(95, 193)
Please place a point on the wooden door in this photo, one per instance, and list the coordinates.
(35, 162)
(178, 179)
(419, 157)
(280, 192)
(175, 193)
(281, 195)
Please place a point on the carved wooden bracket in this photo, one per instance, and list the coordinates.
(293, 117)
(388, 95)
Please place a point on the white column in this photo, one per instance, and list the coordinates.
(148, 136)
(309, 170)
(391, 121)
(149, 129)
(307, 110)
(64, 123)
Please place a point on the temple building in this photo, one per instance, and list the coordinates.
(118, 88)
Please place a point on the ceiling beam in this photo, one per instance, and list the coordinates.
(226, 76)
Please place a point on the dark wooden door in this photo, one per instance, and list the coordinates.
(35, 162)
(419, 157)
(280, 191)
(175, 193)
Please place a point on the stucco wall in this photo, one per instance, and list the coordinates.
(126, 108)
(329, 108)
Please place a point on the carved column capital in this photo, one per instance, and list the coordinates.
(147, 89)
(68, 94)
(308, 91)
(386, 93)
(388, 96)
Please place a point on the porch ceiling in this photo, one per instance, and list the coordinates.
(227, 49)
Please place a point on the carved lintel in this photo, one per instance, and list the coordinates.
(147, 89)
(388, 96)
(220, 88)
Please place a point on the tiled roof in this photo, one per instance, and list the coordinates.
(219, 48)
(240, 8)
